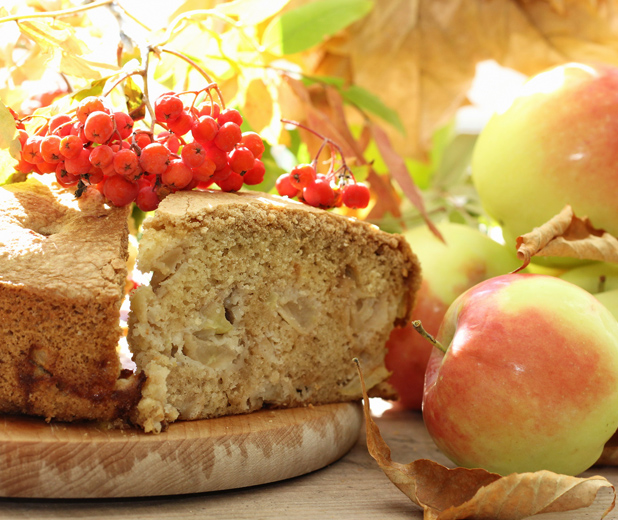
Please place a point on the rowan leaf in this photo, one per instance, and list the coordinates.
(9, 144)
(308, 25)
(461, 494)
(569, 236)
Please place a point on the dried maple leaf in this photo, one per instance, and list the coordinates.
(420, 56)
(476, 494)
(568, 236)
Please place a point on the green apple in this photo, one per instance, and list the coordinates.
(556, 144)
(595, 278)
(448, 269)
(529, 377)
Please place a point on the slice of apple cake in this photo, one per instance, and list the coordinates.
(257, 300)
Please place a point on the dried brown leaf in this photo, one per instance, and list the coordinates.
(476, 494)
(399, 171)
(568, 236)
(423, 65)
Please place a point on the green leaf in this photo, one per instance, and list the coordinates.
(365, 100)
(9, 144)
(302, 28)
(95, 89)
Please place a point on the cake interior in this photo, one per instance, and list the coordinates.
(251, 307)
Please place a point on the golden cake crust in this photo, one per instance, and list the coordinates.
(62, 276)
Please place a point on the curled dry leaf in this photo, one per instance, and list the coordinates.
(568, 236)
(476, 494)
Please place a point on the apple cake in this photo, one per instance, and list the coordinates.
(62, 280)
(257, 300)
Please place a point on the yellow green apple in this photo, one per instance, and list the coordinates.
(529, 377)
(556, 144)
(448, 268)
(595, 278)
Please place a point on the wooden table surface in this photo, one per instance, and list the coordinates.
(352, 488)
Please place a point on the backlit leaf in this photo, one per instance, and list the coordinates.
(308, 25)
(252, 12)
(9, 144)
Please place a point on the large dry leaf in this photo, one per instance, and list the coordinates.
(568, 236)
(419, 56)
(476, 494)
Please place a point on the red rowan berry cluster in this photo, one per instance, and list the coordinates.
(335, 189)
(199, 146)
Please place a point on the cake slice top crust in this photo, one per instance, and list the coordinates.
(191, 210)
(46, 236)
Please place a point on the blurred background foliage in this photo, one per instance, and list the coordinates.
(403, 86)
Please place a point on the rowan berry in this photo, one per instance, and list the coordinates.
(284, 186)
(87, 106)
(168, 107)
(355, 195)
(58, 124)
(205, 171)
(126, 163)
(120, 191)
(124, 124)
(254, 142)
(182, 124)
(99, 127)
(241, 159)
(50, 149)
(155, 158)
(204, 129)
(319, 193)
(78, 164)
(256, 174)
(70, 146)
(302, 175)
(147, 198)
(101, 156)
(233, 182)
(228, 136)
(230, 115)
(193, 154)
(208, 109)
(177, 175)
(31, 150)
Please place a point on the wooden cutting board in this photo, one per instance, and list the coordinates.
(41, 460)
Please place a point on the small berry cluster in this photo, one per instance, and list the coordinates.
(99, 147)
(334, 189)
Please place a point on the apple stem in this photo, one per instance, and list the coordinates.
(418, 327)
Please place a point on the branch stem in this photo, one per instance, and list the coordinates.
(56, 14)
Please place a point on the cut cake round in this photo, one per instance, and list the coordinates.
(62, 279)
(257, 300)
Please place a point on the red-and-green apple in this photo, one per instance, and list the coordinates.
(556, 144)
(529, 380)
(448, 269)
